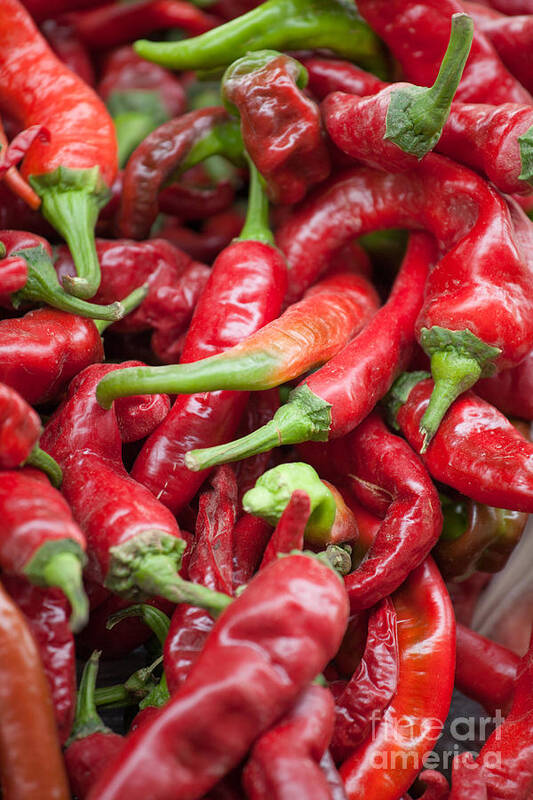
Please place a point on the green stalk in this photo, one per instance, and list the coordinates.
(224, 139)
(157, 620)
(276, 25)
(87, 720)
(416, 115)
(256, 225)
(128, 304)
(131, 127)
(526, 155)
(41, 460)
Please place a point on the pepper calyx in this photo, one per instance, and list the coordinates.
(526, 155)
(399, 393)
(128, 558)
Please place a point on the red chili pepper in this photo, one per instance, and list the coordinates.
(177, 144)
(12, 155)
(250, 538)
(20, 428)
(289, 754)
(417, 33)
(336, 786)
(330, 402)
(328, 75)
(511, 390)
(436, 785)
(289, 532)
(45, 9)
(261, 407)
(117, 24)
(426, 645)
(215, 234)
(196, 202)
(30, 754)
(513, 6)
(361, 702)
(39, 538)
(466, 452)
(68, 47)
(15, 212)
(46, 612)
(72, 173)
(92, 745)
(465, 596)
(13, 277)
(258, 669)
(485, 671)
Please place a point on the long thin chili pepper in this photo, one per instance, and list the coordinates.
(334, 25)
(30, 757)
(261, 407)
(426, 646)
(250, 539)
(12, 178)
(485, 671)
(328, 75)
(466, 452)
(511, 390)
(290, 530)
(20, 428)
(214, 235)
(241, 644)
(336, 398)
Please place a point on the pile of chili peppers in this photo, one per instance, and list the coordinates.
(266, 386)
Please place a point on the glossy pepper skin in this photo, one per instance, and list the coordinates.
(281, 127)
(30, 755)
(256, 668)
(71, 179)
(289, 532)
(371, 360)
(511, 390)
(328, 75)
(20, 428)
(484, 670)
(466, 452)
(251, 536)
(417, 34)
(46, 613)
(176, 144)
(13, 153)
(426, 646)
(306, 335)
(289, 753)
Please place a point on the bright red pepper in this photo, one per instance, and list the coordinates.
(259, 669)
(513, 6)
(71, 174)
(12, 155)
(511, 390)
(289, 532)
(485, 671)
(250, 539)
(20, 428)
(328, 75)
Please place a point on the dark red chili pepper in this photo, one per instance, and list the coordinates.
(289, 753)
(177, 144)
(115, 24)
(30, 755)
(331, 401)
(92, 745)
(361, 701)
(465, 596)
(417, 33)
(196, 201)
(214, 235)
(250, 538)
(45, 9)
(308, 334)
(467, 451)
(485, 671)
(426, 646)
(435, 785)
(245, 289)
(39, 538)
(289, 532)
(511, 390)
(256, 668)
(70, 49)
(72, 173)
(513, 6)
(15, 212)
(261, 407)
(46, 612)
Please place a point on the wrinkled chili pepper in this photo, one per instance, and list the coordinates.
(362, 700)
(176, 145)
(476, 537)
(30, 755)
(308, 334)
(46, 612)
(260, 408)
(281, 127)
(334, 25)
(417, 34)
(245, 289)
(39, 538)
(214, 235)
(336, 398)
(511, 390)
(250, 539)
(289, 753)
(92, 745)
(466, 452)
(70, 49)
(190, 201)
(426, 646)
(240, 644)
(43, 350)
(290, 530)
(72, 173)
(484, 670)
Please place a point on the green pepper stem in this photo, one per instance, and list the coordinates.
(416, 115)
(64, 570)
(224, 139)
(256, 225)
(116, 696)
(131, 128)
(526, 155)
(158, 696)
(87, 720)
(127, 305)
(157, 620)
(41, 460)
(155, 576)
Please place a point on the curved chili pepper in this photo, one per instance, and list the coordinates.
(336, 398)
(361, 701)
(485, 671)
(72, 173)
(289, 753)
(92, 745)
(30, 755)
(417, 34)
(331, 24)
(466, 452)
(12, 177)
(476, 537)
(46, 612)
(426, 646)
(178, 144)
(215, 234)
(435, 785)
(328, 75)
(290, 530)
(70, 49)
(511, 390)
(20, 428)
(240, 644)
(246, 288)
(13, 276)
(190, 202)
(43, 350)
(309, 333)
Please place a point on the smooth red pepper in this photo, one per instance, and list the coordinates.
(485, 671)
(20, 428)
(511, 390)
(250, 539)
(259, 669)
(289, 532)
(10, 175)
(328, 75)
(72, 173)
